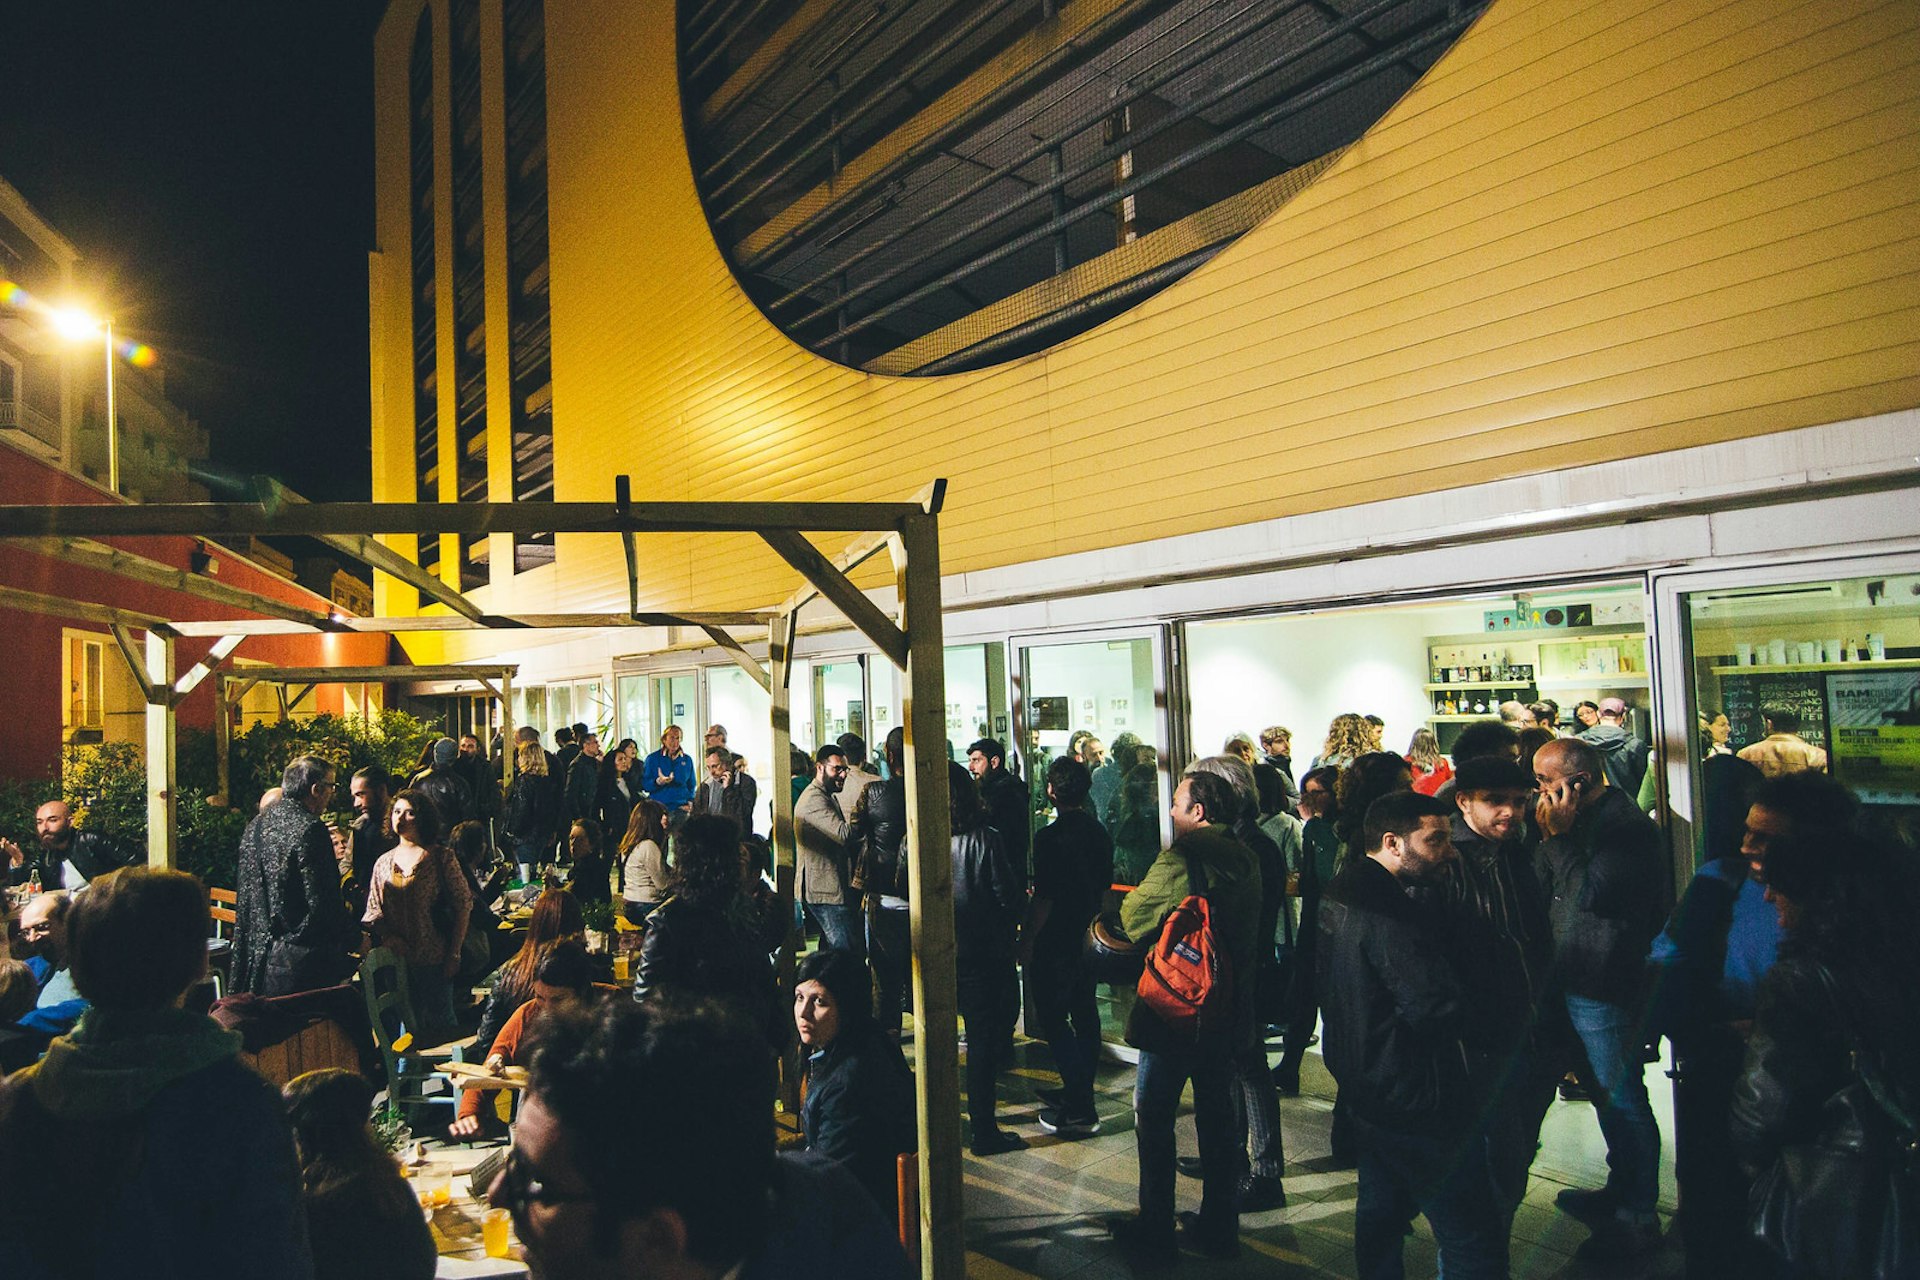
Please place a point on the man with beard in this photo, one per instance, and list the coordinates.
(1394, 1011)
(65, 858)
(1494, 917)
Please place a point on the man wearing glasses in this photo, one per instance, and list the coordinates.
(294, 932)
(709, 1198)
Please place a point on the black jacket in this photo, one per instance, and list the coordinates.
(294, 933)
(860, 1109)
(737, 801)
(1494, 917)
(1392, 1006)
(451, 796)
(705, 951)
(532, 810)
(989, 899)
(877, 839)
(92, 855)
(1009, 812)
(1607, 889)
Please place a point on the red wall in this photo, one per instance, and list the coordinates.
(31, 746)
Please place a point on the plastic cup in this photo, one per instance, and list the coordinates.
(494, 1233)
(443, 1194)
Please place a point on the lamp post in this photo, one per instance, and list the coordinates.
(75, 324)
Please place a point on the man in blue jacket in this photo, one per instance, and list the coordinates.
(667, 778)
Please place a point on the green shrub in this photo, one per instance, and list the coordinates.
(106, 783)
(18, 801)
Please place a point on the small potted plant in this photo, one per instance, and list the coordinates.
(598, 916)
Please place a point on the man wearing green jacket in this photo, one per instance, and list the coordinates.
(1205, 857)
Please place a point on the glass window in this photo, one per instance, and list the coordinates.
(633, 718)
(1820, 675)
(967, 716)
(735, 700)
(673, 705)
(839, 699)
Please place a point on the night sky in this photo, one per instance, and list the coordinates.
(213, 163)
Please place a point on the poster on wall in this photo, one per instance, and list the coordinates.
(1873, 720)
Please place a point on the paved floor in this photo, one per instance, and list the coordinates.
(1039, 1212)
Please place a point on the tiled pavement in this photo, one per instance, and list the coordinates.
(1040, 1212)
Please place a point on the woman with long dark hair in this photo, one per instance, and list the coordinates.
(1836, 1040)
(419, 906)
(363, 1222)
(644, 878)
(556, 917)
(1370, 776)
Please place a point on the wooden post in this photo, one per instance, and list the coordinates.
(160, 724)
(223, 736)
(943, 1248)
(780, 654)
(507, 751)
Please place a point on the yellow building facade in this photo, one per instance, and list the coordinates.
(1600, 257)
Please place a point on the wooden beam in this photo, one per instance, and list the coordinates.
(162, 834)
(858, 552)
(738, 652)
(943, 1250)
(295, 699)
(486, 622)
(350, 521)
(863, 613)
(61, 607)
(222, 650)
(623, 502)
(87, 554)
(780, 657)
(356, 675)
(136, 662)
(276, 501)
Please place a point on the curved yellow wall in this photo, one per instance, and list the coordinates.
(1597, 229)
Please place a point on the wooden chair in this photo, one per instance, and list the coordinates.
(907, 1166)
(223, 905)
(413, 1087)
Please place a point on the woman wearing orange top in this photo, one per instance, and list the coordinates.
(565, 974)
(1430, 769)
(418, 906)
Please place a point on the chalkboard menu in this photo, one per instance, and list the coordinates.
(1743, 694)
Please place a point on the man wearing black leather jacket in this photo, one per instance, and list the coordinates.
(1393, 1012)
(65, 857)
(1494, 913)
(989, 899)
(877, 851)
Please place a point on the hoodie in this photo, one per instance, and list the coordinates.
(1623, 757)
(141, 1143)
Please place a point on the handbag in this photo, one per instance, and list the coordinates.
(1110, 955)
(1847, 1204)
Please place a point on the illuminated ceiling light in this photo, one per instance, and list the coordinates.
(73, 324)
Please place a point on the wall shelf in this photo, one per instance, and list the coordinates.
(1885, 664)
(1602, 680)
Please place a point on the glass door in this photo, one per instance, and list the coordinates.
(737, 702)
(1812, 666)
(1114, 687)
(673, 704)
(634, 712)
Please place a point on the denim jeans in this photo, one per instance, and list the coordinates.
(1156, 1101)
(840, 927)
(1069, 1015)
(1449, 1182)
(1611, 1036)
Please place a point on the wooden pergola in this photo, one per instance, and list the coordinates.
(908, 532)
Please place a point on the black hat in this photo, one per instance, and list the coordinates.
(1491, 773)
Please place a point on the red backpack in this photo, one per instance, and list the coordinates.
(1187, 981)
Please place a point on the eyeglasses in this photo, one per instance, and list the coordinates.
(521, 1188)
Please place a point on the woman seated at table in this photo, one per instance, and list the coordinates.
(643, 861)
(565, 974)
(556, 916)
(362, 1219)
(859, 1107)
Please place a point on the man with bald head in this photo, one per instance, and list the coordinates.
(66, 858)
(1606, 879)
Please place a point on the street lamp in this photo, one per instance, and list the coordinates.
(77, 326)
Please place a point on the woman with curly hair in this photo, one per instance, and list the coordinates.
(419, 906)
(1348, 738)
(703, 942)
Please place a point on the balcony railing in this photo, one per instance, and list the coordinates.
(18, 416)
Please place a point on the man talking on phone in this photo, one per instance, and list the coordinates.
(1606, 877)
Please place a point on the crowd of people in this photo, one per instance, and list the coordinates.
(1463, 931)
